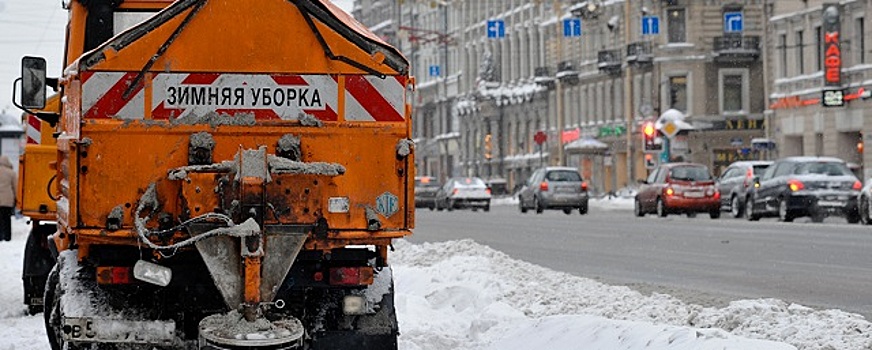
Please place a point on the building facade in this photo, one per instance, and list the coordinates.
(819, 55)
(496, 77)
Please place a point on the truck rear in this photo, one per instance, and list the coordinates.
(230, 175)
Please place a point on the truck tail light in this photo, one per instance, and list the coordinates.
(584, 185)
(543, 186)
(857, 185)
(351, 276)
(795, 185)
(114, 275)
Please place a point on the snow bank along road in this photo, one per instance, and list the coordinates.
(463, 295)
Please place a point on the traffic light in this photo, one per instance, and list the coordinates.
(651, 141)
(650, 161)
(488, 146)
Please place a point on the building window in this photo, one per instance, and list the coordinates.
(676, 25)
(818, 48)
(800, 61)
(859, 36)
(782, 44)
(734, 90)
(678, 93)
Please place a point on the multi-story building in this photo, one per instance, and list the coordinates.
(494, 74)
(818, 57)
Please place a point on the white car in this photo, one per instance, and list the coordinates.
(464, 192)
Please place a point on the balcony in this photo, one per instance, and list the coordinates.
(640, 54)
(609, 61)
(542, 76)
(733, 48)
(566, 73)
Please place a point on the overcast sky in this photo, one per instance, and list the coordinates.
(36, 27)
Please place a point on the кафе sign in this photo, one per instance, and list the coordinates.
(833, 94)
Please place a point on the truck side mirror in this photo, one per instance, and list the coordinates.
(33, 82)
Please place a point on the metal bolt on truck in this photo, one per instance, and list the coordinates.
(217, 174)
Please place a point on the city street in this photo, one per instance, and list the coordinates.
(699, 260)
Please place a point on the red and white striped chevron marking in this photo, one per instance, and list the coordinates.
(370, 98)
(268, 97)
(102, 96)
(33, 131)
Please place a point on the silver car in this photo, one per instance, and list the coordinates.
(559, 188)
(464, 192)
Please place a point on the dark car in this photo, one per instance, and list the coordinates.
(735, 182)
(805, 186)
(464, 192)
(426, 188)
(864, 203)
(679, 188)
(560, 188)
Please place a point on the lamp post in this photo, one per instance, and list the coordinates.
(628, 100)
(558, 12)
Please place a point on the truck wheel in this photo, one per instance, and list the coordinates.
(52, 313)
(38, 262)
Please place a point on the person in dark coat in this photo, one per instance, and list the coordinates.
(8, 181)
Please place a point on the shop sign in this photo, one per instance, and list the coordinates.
(606, 131)
(725, 157)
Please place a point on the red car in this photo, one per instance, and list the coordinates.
(679, 188)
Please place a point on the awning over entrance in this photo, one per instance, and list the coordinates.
(586, 145)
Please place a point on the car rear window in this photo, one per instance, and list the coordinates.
(563, 175)
(690, 173)
(759, 169)
(426, 182)
(472, 182)
(823, 168)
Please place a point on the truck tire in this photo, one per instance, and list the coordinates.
(38, 262)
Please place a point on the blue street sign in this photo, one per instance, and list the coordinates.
(650, 25)
(435, 71)
(733, 22)
(496, 29)
(572, 27)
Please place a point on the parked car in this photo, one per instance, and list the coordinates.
(735, 181)
(426, 188)
(864, 203)
(805, 186)
(464, 192)
(560, 188)
(679, 188)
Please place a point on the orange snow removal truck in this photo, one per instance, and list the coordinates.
(226, 174)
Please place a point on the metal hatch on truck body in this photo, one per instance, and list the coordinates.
(246, 73)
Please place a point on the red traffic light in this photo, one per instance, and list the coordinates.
(649, 130)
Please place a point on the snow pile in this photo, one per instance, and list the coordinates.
(464, 295)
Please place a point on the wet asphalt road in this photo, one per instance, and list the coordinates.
(699, 260)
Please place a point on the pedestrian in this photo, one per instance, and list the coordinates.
(8, 181)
